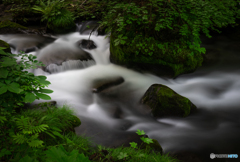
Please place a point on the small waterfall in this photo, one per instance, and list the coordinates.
(70, 65)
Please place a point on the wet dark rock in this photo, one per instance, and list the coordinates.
(163, 101)
(212, 56)
(25, 42)
(57, 54)
(87, 27)
(100, 85)
(34, 30)
(88, 44)
(186, 157)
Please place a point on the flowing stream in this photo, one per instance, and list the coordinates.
(111, 117)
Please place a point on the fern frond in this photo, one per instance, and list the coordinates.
(35, 143)
(42, 119)
(57, 134)
(2, 119)
(22, 123)
(39, 128)
(56, 129)
(49, 134)
(38, 9)
(19, 138)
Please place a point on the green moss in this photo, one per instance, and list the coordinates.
(5, 45)
(170, 101)
(165, 102)
(75, 121)
(9, 24)
(182, 61)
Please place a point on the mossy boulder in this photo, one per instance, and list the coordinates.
(5, 45)
(75, 121)
(153, 147)
(169, 62)
(7, 27)
(163, 101)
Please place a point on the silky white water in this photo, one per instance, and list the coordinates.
(215, 90)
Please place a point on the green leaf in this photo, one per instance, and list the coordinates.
(8, 81)
(4, 152)
(29, 98)
(145, 17)
(140, 132)
(146, 140)
(56, 129)
(133, 144)
(19, 138)
(2, 119)
(123, 42)
(122, 155)
(141, 155)
(8, 61)
(43, 96)
(57, 134)
(35, 143)
(2, 84)
(17, 79)
(2, 52)
(27, 159)
(45, 91)
(41, 77)
(3, 89)
(14, 87)
(3, 73)
(50, 134)
(45, 83)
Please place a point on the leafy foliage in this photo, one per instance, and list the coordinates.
(61, 155)
(133, 153)
(27, 138)
(55, 13)
(176, 19)
(17, 86)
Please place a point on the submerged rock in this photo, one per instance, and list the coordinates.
(56, 53)
(26, 43)
(88, 44)
(163, 101)
(101, 84)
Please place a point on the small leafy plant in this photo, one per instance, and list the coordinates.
(18, 86)
(123, 155)
(143, 153)
(55, 14)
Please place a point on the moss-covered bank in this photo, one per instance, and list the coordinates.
(8, 27)
(169, 62)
